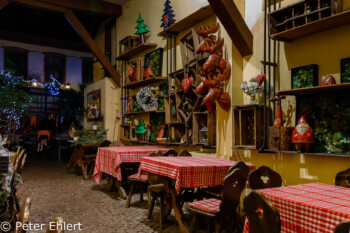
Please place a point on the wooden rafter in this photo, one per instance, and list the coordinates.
(232, 20)
(3, 4)
(84, 34)
(89, 6)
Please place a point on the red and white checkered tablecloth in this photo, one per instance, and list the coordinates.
(108, 159)
(313, 207)
(189, 172)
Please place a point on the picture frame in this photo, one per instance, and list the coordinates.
(154, 60)
(304, 76)
(345, 70)
(94, 105)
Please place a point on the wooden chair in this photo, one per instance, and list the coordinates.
(343, 227)
(54, 228)
(262, 215)
(87, 162)
(171, 152)
(185, 153)
(116, 144)
(343, 178)
(264, 177)
(133, 179)
(17, 160)
(216, 191)
(223, 211)
(156, 189)
(23, 215)
(15, 155)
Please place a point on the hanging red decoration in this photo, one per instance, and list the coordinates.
(186, 83)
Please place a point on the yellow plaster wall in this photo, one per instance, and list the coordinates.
(325, 49)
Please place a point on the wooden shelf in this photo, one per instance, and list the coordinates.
(144, 82)
(141, 112)
(189, 21)
(324, 24)
(314, 90)
(138, 49)
(306, 153)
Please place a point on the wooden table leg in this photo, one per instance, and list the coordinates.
(121, 190)
(177, 208)
(110, 183)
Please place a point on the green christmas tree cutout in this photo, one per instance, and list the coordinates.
(141, 29)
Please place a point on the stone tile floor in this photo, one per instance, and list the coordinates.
(55, 191)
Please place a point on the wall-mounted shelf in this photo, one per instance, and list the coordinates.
(324, 24)
(189, 21)
(144, 82)
(134, 51)
(315, 90)
(142, 112)
(299, 153)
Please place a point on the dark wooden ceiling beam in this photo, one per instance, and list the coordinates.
(233, 22)
(83, 33)
(98, 7)
(43, 40)
(3, 4)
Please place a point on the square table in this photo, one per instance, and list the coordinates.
(313, 207)
(109, 159)
(188, 172)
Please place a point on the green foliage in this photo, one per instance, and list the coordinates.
(303, 77)
(330, 120)
(346, 71)
(154, 60)
(88, 137)
(14, 100)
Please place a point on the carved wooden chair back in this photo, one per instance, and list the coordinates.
(54, 226)
(185, 153)
(18, 161)
(116, 144)
(234, 184)
(343, 178)
(105, 143)
(15, 155)
(159, 153)
(241, 165)
(343, 227)
(23, 216)
(262, 215)
(21, 164)
(264, 177)
(171, 152)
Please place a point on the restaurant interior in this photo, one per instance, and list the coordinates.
(175, 116)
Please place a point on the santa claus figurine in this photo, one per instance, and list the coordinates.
(303, 134)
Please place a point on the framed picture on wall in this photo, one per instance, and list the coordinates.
(154, 60)
(94, 105)
(345, 70)
(305, 76)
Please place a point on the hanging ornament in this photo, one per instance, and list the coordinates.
(186, 83)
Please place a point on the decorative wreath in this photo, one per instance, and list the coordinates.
(145, 100)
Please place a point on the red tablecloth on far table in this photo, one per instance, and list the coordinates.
(189, 172)
(311, 207)
(108, 159)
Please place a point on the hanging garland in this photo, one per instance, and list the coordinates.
(53, 86)
(146, 100)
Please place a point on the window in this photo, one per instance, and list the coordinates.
(55, 65)
(16, 59)
(87, 70)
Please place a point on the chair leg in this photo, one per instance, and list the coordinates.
(130, 194)
(193, 225)
(150, 209)
(161, 212)
(141, 191)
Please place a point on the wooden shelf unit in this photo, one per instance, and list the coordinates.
(134, 51)
(144, 82)
(315, 90)
(189, 21)
(324, 24)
